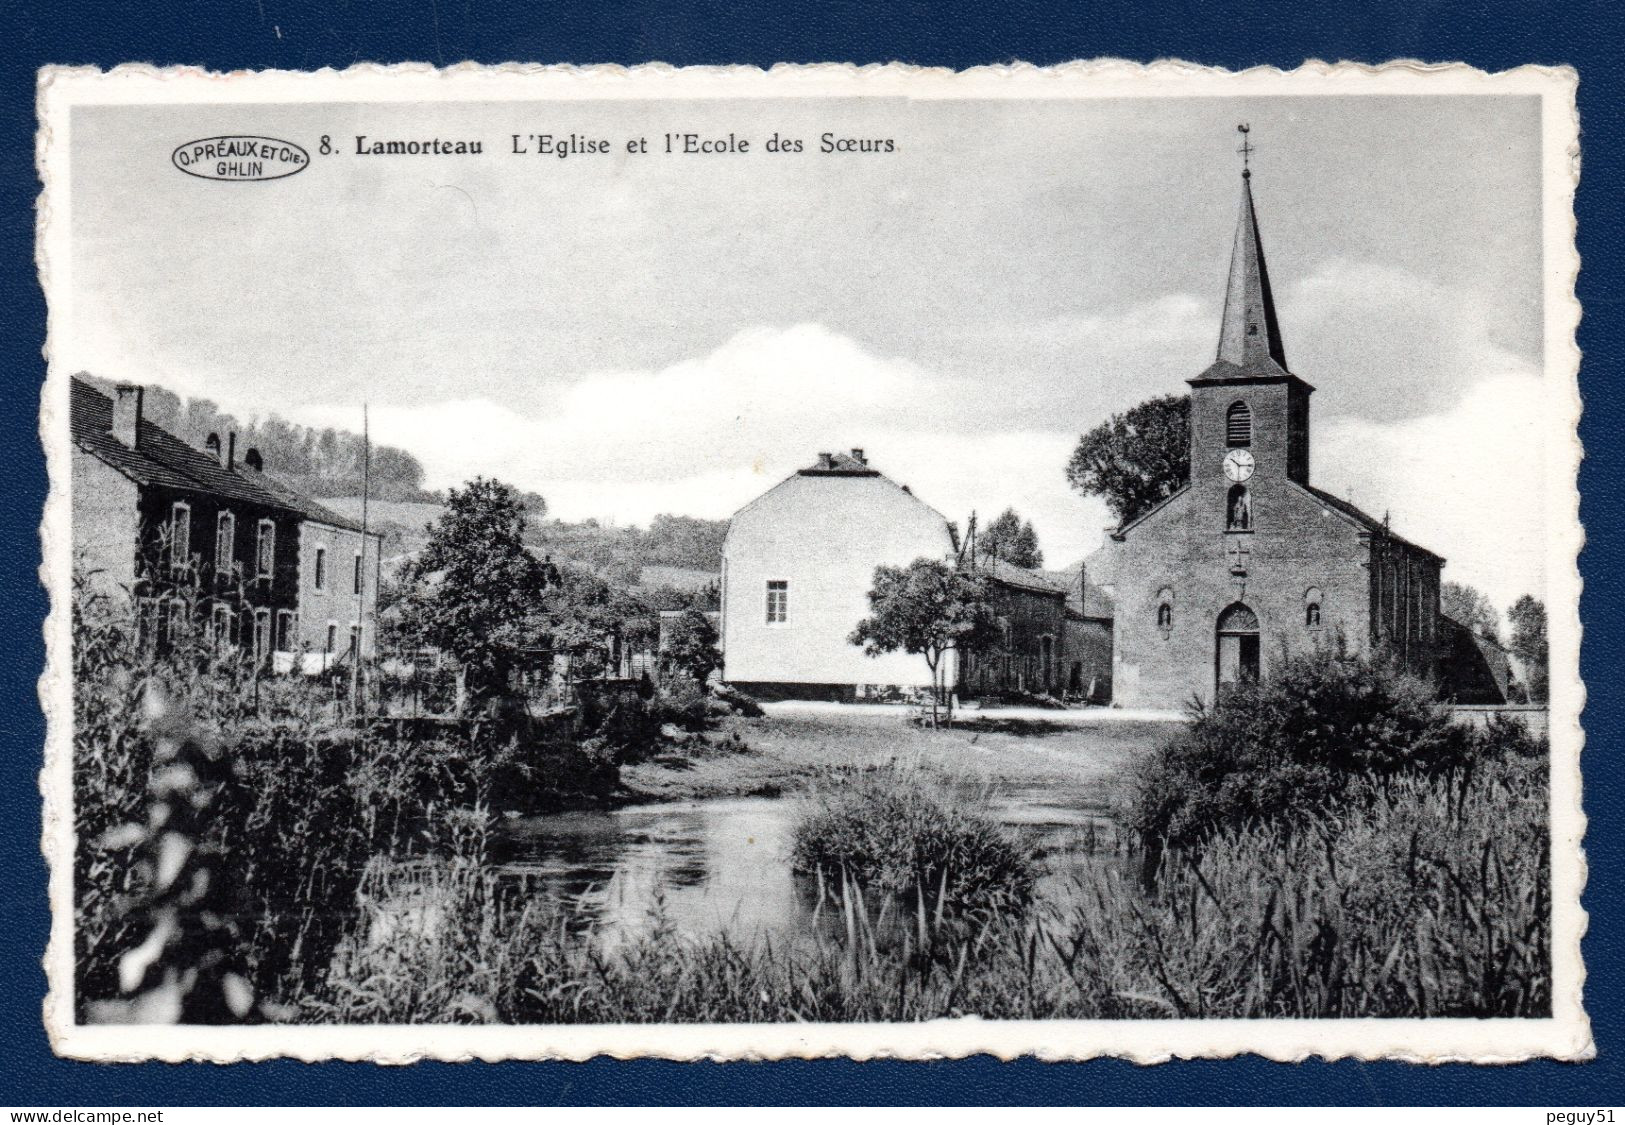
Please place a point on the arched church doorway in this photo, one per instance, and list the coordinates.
(1236, 655)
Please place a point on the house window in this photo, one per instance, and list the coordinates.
(321, 568)
(1238, 509)
(355, 641)
(262, 634)
(285, 620)
(225, 540)
(175, 622)
(360, 583)
(146, 621)
(180, 534)
(265, 549)
(1165, 616)
(778, 602)
(222, 626)
(332, 637)
(1238, 426)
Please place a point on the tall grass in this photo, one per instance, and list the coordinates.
(1427, 897)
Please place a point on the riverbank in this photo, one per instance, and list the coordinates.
(793, 745)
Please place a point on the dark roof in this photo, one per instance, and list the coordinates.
(838, 465)
(1362, 518)
(162, 459)
(305, 506)
(1020, 578)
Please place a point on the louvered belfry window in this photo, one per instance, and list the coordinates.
(1238, 426)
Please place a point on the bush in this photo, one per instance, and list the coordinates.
(737, 701)
(1283, 749)
(901, 833)
(277, 802)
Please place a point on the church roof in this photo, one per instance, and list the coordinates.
(1249, 334)
(1365, 520)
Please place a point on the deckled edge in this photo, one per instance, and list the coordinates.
(1572, 1039)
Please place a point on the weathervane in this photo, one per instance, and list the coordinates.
(1246, 150)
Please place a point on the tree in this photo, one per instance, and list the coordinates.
(691, 646)
(1528, 620)
(1137, 458)
(474, 591)
(1011, 540)
(1467, 606)
(929, 609)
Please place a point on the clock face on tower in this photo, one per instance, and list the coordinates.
(1238, 465)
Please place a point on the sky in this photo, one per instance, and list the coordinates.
(633, 334)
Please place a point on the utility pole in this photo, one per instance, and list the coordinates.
(360, 577)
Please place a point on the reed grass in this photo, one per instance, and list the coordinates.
(1427, 897)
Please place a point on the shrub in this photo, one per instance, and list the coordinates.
(1283, 749)
(902, 833)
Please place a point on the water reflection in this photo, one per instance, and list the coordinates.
(724, 864)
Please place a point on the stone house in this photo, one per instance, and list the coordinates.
(179, 531)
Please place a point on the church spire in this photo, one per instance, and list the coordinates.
(1249, 335)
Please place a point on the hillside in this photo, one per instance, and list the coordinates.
(679, 552)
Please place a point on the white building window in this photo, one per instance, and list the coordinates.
(321, 568)
(265, 550)
(332, 637)
(778, 601)
(360, 580)
(180, 534)
(225, 542)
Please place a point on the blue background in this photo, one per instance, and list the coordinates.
(1491, 34)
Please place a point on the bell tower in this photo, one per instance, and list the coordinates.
(1249, 413)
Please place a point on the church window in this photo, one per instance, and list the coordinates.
(1238, 426)
(1165, 616)
(1311, 607)
(1238, 509)
(778, 601)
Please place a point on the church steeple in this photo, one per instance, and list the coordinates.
(1249, 335)
(1247, 399)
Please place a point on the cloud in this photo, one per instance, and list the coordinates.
(1382, 342)
(1465, 482)
(705, 436)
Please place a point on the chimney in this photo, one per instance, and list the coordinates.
(857, 455)
(254, 461)
(211, 445)
(826, 461)
(127, 413)
(231, 450)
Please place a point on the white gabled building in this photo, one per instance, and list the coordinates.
(797, 566)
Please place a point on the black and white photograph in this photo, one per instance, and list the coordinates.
(755, 564)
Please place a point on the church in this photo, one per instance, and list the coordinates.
(1249, 562)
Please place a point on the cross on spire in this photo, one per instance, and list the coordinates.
(1246, 150)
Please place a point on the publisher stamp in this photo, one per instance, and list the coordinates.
(889, 563)
(240, 158)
